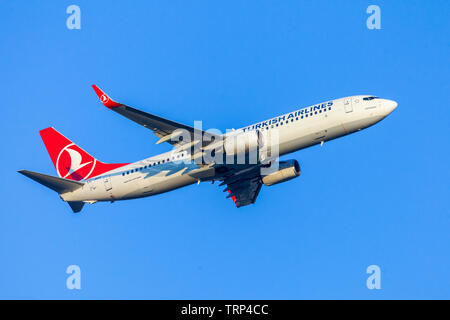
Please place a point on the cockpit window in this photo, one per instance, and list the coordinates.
(370, 98)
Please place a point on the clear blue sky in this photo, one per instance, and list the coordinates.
(376, 197)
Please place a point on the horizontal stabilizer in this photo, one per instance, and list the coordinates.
(59, 185)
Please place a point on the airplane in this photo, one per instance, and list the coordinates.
(253, 153)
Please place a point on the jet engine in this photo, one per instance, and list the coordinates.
(287, 170)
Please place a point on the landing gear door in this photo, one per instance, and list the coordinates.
(348, 105)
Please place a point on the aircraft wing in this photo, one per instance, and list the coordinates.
(164, 129)
(243, 188)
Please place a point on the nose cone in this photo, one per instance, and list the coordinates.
(389, 106)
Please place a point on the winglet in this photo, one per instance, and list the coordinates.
(107, 101)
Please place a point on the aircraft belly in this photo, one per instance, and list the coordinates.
(143, 186)
(129, 187)
(300, 137)
(172, 183)
(362, 123)
(91, 191)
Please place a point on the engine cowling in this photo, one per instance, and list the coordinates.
(287, 170)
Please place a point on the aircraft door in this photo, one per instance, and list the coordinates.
(348, 107)
(107, 183)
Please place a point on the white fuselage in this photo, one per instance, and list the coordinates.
(296, 130)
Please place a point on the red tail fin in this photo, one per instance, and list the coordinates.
(72, 162)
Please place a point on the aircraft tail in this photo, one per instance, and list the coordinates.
(72, 162)
(59, 185)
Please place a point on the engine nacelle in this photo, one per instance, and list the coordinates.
(287, 170)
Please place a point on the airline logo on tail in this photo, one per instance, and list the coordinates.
(70, 161)
(104, 98)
